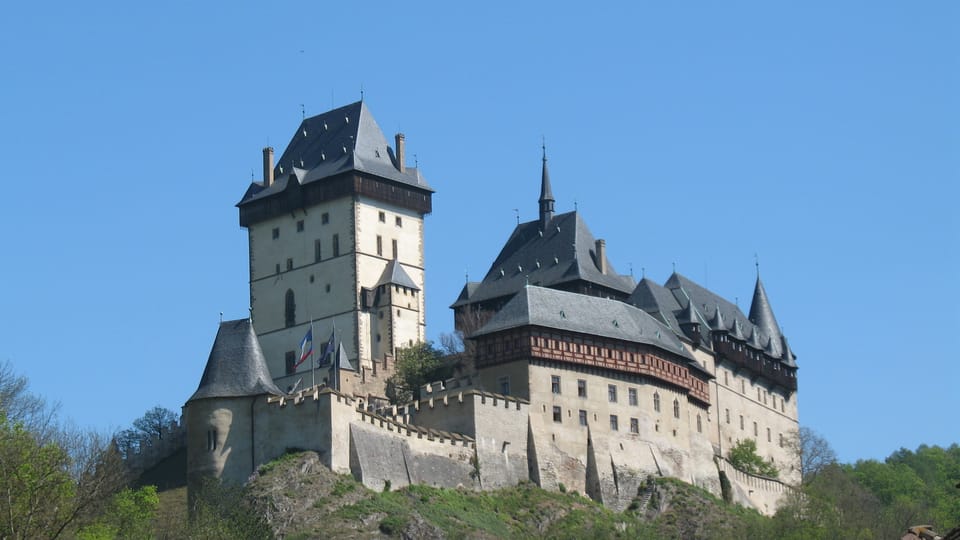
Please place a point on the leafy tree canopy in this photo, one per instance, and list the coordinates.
(744, 457)
(415, 366)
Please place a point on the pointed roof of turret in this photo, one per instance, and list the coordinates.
(788, 358)
(716, 322)
(342, 361)
(236, 366)
(760, 312)
(394, 274)
(688, 315)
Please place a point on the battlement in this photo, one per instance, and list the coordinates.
(457, 388)
(151, 450)
(314, 392)
(411, 430)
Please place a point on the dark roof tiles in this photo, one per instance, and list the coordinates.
(236, 366)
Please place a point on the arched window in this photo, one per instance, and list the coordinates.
(656, 401)
(676, 409)
(290, 309)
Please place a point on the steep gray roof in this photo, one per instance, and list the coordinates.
(564, 252)
(394, 274)
(657, 301)
(761, 314)
(561, 310)
(337, 141)
(733, 319)
(236, 366)
(342, 361)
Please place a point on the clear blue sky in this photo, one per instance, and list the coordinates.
(822, 136)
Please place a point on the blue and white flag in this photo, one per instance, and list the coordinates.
(306, 347)
(327, 357)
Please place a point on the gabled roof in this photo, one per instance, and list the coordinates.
(236, 366)
(394, 274)
(342, 361)
(562, 310)
(337, 141)
(656, 300)
(562, 253)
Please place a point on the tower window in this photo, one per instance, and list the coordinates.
(612, 393)
(555, 384)
(278, 268)
(656, 401)
(583, 417)
(769, 437)
(755, 430)
(276, 233)
(676, 409)
(289, 265)
(614, 423)
(741, 422)
(316, 251)
(383, 217)
(634, 425)
(336, 245)
(727, 414)
(300, 226)
(211, 440)
(632, 396)
(379, 245)
(699, 424)
(503, 383)
(581, 388)
(557, 415)
(290, 361)
(394, 242)
(290, 309)
(399, 221)
(324, 218)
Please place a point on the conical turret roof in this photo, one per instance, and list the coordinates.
(236, 366)
(761, 313)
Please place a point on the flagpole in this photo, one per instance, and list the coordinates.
(313, 365)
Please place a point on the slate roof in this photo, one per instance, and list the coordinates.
(761, 314)
(562, 310)
(731, 318)
(337, 141)
(395, 274)
(236, 366)
(563, 253)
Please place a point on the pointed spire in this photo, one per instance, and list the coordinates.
(688, 315)
(716, 323)
(760, 312)
(546, 194)
(236, 366)
(737, 330)
(788, 358)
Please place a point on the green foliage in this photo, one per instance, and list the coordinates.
(744, 457)
(224, 512)
(154, 423)
(129, 515)
(290, 455)
(415, 366)
(36, 489)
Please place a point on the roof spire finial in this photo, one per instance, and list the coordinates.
(756, 262)
(303, 112)
(516, 211)
(643, 272)
(361, 91)
(546, 192)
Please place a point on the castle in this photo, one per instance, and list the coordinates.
(581, 378)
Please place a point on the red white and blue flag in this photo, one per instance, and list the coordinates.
(306, 347)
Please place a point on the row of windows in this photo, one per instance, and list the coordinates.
(612, 394)
(756, 428)
(324, 220)
(397, 220)
(614, 421)
(762, 394)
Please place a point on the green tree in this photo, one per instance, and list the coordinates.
(744, 457)
(415, 366)
(130, 515)
(155, 422)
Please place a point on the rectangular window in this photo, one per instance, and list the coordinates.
(634, 425)
(290, 361)
(557, 415)
(336, 245)
(278, 268)
(632, 396)
(394, 242)
(276, 233)
(781, 440)
(289, 265)
(756, 432)
(727, 413)
(383, 217)
(769, 437)
(614, 426)
(581, 388)
(399, 222)
(612, 393)
(726, 378)
(379, 245)
(699, 425)
(555, 384)
(503, 383)
(300, 225)
(743, 387)
(324, 218)
(316, 251)
(741, 422)
(583, 417)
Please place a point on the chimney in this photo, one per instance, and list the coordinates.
(602, 256)
(401, 163)
(268, 166)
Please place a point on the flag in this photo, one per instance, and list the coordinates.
(327, 356)
(306, 347)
